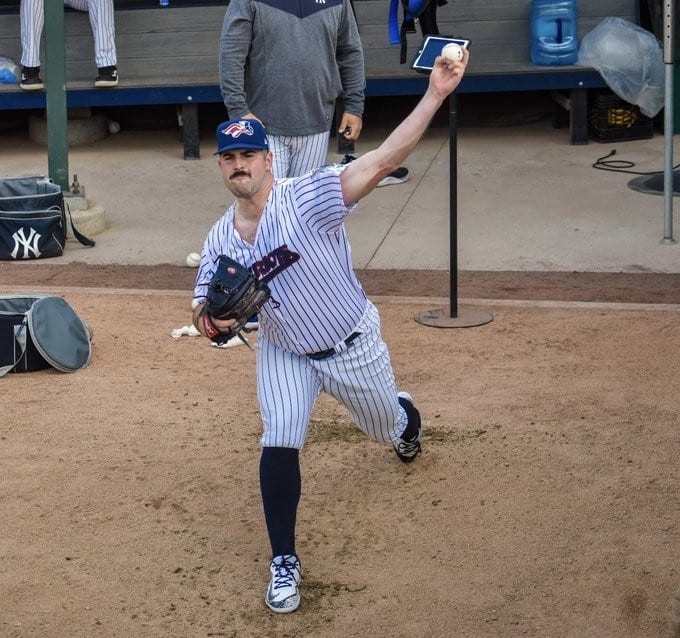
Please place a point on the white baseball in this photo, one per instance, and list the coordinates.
(452, 52)
(114, 127)
(193, 260)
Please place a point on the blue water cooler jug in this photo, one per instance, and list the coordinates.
(554, 32)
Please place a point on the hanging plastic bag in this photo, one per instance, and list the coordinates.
(630, 60)
(9, 71)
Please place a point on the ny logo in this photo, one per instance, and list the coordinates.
(30, 243)
(320, 1)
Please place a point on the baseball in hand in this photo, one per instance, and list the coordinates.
(193, 260)
(452, 52)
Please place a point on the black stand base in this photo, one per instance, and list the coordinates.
(654, 184)
(465, 318)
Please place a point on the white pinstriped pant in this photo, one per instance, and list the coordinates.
(101, 14)
(298, 154)
(360, 378)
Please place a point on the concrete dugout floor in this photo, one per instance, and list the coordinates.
(527, 200)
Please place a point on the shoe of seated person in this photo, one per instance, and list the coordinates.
(107, 76)
(408, 449)
(30, 78)
(283, 593)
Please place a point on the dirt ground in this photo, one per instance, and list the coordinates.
(545, 502)
(642, 287)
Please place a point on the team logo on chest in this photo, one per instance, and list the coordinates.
(275, 262)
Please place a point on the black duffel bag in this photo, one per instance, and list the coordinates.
(33, 219)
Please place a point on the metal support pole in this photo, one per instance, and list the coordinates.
(465, 317)
(453, 204)
(668, 58)
(57, 118)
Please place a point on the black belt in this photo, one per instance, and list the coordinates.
(324, 354)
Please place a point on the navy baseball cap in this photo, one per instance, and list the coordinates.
(241, 133)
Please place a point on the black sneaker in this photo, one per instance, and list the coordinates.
(397, 176)
(106, 76)
(30, 78)
(407, 450)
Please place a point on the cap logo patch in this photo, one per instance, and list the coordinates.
(236, 129)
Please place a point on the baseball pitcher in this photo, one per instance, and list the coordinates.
(282, 247)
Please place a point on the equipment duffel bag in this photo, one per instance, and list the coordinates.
(33, 219)
(41, 331)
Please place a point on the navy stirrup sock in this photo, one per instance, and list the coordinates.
(280, 485)
(413, 424)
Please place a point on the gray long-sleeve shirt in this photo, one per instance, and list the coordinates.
(287, 61)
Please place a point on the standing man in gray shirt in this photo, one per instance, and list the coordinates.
(285, 63)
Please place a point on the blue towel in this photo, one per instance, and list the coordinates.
(8, 71)
(7, 77)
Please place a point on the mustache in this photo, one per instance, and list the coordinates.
(240, 174)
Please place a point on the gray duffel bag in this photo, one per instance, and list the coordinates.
(41, 331)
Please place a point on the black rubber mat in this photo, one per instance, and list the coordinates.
(653, 184)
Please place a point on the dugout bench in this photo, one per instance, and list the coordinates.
(169, 55)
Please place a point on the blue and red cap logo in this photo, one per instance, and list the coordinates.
(241, 133)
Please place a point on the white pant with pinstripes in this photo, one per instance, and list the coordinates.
(298, 154)
(359, 376)
(101, 15)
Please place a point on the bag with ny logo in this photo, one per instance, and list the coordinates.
(33, 219)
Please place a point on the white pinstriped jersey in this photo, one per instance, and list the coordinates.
(301, 240)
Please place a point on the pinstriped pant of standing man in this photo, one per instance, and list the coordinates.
(101, 14)
(297, 154)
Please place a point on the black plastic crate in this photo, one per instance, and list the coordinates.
(611, 119)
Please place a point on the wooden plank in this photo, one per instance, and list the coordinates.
(377, 11)
(184, 20)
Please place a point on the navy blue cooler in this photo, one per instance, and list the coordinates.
(32, 218)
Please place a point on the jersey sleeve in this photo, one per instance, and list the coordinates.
(235, 42)
(350, 57)
(319, 199)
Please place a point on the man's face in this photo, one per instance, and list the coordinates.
(245, 170)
